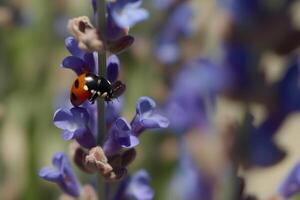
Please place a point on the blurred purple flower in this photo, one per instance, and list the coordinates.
(74, 123)
(163, 4)
(146, 118)
(289, 89)
(62, 174)
(193, 93)
(178, 25)
(136, 187)
(189, 182)
(291, 184)
(256, 145)
(127, 13)
(120, 136)
(80, 62)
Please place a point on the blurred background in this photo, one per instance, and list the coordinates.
(33, 86)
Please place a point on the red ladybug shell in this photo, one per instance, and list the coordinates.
(78, 94)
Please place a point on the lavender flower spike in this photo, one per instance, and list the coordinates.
(146, 118)
(120, 136)
(127, 13)
(62, 174)
(74, 123)
(138, 187)
(291, 184)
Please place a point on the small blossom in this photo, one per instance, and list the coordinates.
(146, 118)
(138, 187)
(178, 25)
(80, 62)
(196, 86)
(120, 136)
(85, 33)
(62, 174)
(127, 13)
(113, 68)
(74, 123)
(291, 184)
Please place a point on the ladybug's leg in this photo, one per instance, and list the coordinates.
(94, 97)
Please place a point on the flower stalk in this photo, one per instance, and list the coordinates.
(102, 188)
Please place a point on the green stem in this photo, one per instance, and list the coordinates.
(101, 187)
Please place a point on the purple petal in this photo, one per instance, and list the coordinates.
(139, 187)
(74, 63)
(68, 135)
(50, 174)
(90, 64)
(62, 119)
(155, 121)
(113, 67)
(72, 46)
(145, 104)
(62, 174)
(80, 114)
(85, 138)
(291, 185)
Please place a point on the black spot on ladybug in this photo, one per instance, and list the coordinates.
(76, 83)
(73, 96)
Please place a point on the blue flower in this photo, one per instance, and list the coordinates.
(146, 118)
(80, 62)
(289, 89)
(74, 123)
(193, 93)
(178, 25)
(256, 145)
(163, 4)
(188, 181)
(138, 187)
(113, 68)
(291, 185)
(62, 175)
(127, 13)
(125, 135)
(120, 136)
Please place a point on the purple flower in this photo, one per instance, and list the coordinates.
(113, 111)
(146, 118)
(120, 136)
(127, 13)
(256, 145)
(113, 68)
(138, 187)
(135, 187)
(193, 94)
(291, 184)
(178, 25)
(163, 4)
(80, 62)
(289, 89)
(74, 123)
(62, 174)
(189, 182)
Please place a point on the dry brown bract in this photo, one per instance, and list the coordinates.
(85, 33)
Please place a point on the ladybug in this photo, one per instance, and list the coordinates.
(88, 86)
